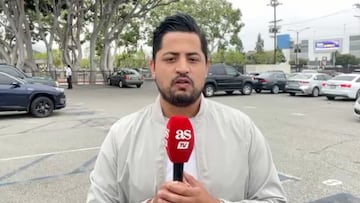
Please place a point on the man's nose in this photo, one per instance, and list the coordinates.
(182, 66)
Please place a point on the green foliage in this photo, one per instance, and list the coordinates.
(85, 63)
(131, 60)
(346, 59)
(265, 57)
(57, 57)
(220, 22)
(302, 62)
(42, 56)
(231, 57)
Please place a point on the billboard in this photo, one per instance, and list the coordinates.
(328, 45)
(283, 41)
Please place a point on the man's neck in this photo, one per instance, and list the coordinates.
(171, 110)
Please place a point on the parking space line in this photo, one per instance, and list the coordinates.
(49, 153)
(43, 178)
(84, 166)
(24, 167)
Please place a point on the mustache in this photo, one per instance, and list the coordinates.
(182, 76)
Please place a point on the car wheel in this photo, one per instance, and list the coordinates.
(330, 97)
(257, 90)
(41, 107)
(315, 92)
(275, 89)
(247, 89)
(357, 94)
(209, 90)
(292, 93)
(121, 84)
(109, 82)
(138, 86)
(229, 92)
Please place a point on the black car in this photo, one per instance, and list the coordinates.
(19, 95)
(15, 72)
(125, 77)
(274, 81)
(226, 78)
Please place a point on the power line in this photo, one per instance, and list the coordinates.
(317, 18)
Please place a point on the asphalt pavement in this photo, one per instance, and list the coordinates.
(315, 143)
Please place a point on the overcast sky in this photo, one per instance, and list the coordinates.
(326, 18)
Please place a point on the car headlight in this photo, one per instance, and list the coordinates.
(59, 89)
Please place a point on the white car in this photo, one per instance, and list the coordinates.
(357, 108)
(344, 85)
(306, 83)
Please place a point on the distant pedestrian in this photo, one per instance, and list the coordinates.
(68, 73)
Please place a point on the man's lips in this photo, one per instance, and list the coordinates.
(183, 81)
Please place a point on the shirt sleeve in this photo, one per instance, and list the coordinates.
(103, 184)
(264, 184)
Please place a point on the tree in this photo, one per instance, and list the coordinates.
(46, 16)
(17, 27)
(302, 62)
(346, 59)
(109, 19)
(220, 22)
(231, 57)
(259, 47)
(265, 57)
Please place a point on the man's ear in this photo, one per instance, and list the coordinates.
(207, 66)
(152, 68)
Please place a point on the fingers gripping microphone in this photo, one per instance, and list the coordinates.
(179, 143)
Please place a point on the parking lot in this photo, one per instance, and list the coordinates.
(315, 143)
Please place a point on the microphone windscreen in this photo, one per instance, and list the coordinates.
(180, 139)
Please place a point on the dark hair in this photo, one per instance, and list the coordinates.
(178, 23)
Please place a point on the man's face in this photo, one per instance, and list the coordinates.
(180, 68)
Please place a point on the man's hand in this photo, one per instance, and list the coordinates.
(189, 191)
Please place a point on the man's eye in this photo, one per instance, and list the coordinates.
(194, 59)
(169, 59)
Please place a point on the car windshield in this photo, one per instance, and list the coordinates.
(344, 78)
(302, 76)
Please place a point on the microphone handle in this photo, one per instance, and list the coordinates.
(178, 172)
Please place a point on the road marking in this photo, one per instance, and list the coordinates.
(297, 114)
(286, 177)
(49, 153)
(332, 182)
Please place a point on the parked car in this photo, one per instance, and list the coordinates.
(20, 95)
(306, 83)
(274, 81)
(125, 77)
(226, 78)
(345, 85)
(357, 108)
(15, 72)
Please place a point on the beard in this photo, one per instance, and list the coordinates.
(179, 98)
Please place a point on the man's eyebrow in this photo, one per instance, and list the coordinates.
(176, 53)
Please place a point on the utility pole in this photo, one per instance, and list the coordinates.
(297, 47)
(274, 28)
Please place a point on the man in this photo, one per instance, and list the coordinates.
(231, 161)
(68, 73)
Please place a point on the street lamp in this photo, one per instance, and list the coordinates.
(297, 49)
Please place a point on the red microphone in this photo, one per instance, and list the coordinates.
(179, 138)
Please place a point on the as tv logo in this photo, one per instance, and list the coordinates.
(183, 134)
(183, 145)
